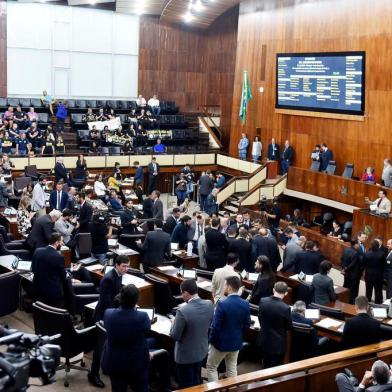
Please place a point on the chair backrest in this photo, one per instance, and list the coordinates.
(327, 311)
(303, 343)
(31, 171)
(104, 150)
(101, 337)
(204, 274)
(331, 168)
(77, 117)
(122, 105)
(83, 244)
(348, 170)
(163, 297)
(115, 150)
(21, 182)
(44, 117)
(3, 102)
(315, 166)
(92, 104)
(9, 292)
(254, 309)
(132, 105)
(101, 104)
(71, 103)
(81, 103)
(13, 101)
(25, 102)
(135, 272)
(36, 102)
(328, 216)
(305, 292)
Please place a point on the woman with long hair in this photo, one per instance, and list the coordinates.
(265, 281)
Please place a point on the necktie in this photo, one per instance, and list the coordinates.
(198, 231)
(59, 200)
(379, 202)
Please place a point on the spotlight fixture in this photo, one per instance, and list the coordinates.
(198, 6)
(188, 17)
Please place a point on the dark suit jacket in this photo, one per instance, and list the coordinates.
(211, 206)
(360, 331)
(109, 287)
(150, 168)
(268, 247)
(242, 248)
(217, 246)
(275, 319)
(373, 262)
(180, 235)
(147, 208)
(86, 212)
(139, 175)
(126, 349)
(157, 209)
(261, 289)
(322, 289)
(351, 264)
(270, 155)
(306, 261)
(231, 318)
(40, 232)
(205, 185)
(49, 273)
(63, 201)
(288, 154)
(169, 225)
(325, 157)
(156, 247)
(60, 172)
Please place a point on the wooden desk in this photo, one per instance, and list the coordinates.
(14, 227)
(272, 170)
(187, 262)
(146, 289)
(66, 253)
(337, 188)
(342, 293)
(373, 225)
(133, 255)
(331, 248)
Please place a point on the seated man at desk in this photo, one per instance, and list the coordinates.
(362, 329)
(382, 205)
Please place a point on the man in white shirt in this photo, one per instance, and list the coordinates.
(196, 231)
(140, 101)
(153, 103)
(38, 199)
(382, 205)
(220, 275)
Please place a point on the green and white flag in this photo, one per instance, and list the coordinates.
(246, 96)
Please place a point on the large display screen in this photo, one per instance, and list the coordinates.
(321, 82)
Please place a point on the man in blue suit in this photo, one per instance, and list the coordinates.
(325, 156)
(58, 199)
(232, 317)
(139, 174)
(125, 355)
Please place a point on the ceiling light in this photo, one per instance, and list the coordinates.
(188, 17)
(92, 2)
(198, 6)
(139, 11)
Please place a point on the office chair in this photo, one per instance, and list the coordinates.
(324, 220)
(25, 103)
(16, 248)
(80, 295)
(315, 166)
(303, 342)
(135, 272)
(31, 171)
(348, 170)
(92, 104)
(327, 311)
(204, 274)
(36, 102)
(347, 230)
(164, 299)
(254, 309)
(104, 150)
(83, 245)
(305, 292)
(51, 321)
(20, 183)
(81, 104)
(9, 292)
(71, 103)
(331, 168)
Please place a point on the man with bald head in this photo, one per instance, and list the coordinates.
(264, 245)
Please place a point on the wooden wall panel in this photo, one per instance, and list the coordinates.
(317, 25)
(3, 48)
(190, 67)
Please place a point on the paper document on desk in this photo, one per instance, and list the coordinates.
(177, 252)
(94, 267)
(313, 314)
(125, 252)
(204, 284)
(255, 321)
(162, 327)
(131, 279)
(387, 302)
(329, 323)
(379, 313)
(112, 242)
(309, 278)
(167, 268)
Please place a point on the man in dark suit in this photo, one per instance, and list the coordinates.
(373, 262)
(205, 186)
(351, 268)
(242, 247)
(217, 246)
(109, 287)
(60, 171)
(325, 156)
(86, 212)
(362, 329)
(180, 232)
(156, 247)
(275, 317)
(305, 261)
(171, 221)
(157, 208)
(153, 172)
(49, 279)
(231, 318)
(273, 151)
(287, 157)
(264, 245)
(125, 355)
(388, 269)
(58, 199)
(42, 230)
(190, 332)
(139, 174)
(322, 287)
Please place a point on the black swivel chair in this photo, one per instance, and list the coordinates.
(204, 274)
(20, 183)
(80, 295)
(303, 342)
(16, 248)
(164, 299)
(31, 171)
(83, 245)
(9, 292)
(348, 170)
(305, 292)
(327, 311)
(254, 309)
(331, 168)
(51, 321)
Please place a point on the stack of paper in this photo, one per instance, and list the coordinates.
(329, 323)
(162, 327)
(94, 267)
(379, 313)
(204, 284)
(131, 279)
(255, 322)
(167, 268)
(313, 314)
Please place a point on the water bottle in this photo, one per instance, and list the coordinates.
(189, 249)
